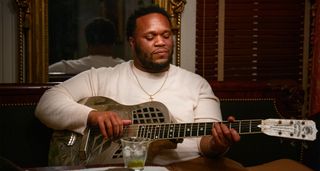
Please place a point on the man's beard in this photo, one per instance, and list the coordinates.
(147, 62)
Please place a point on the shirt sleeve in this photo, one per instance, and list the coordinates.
(208, 106)
(207, 109)
(58, 107)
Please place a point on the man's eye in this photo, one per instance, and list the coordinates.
(149, 37)
(166, 35)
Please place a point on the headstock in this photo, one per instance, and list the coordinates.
(290, 128)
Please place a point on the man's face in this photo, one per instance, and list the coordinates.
(152, 43)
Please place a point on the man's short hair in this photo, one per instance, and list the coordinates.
(131, 23)
(100, 31)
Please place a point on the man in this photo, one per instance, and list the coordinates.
(100, 36)
(148, 77)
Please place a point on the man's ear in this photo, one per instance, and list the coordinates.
(131, 41)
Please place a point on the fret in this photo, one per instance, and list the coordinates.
(201, 130)
(179, 131)
(149, 131)
(165, 131)
(229, 124)
(245, 127)
(161, 131)
(255, 128)
(205, 129)
(184, 130)
(188, 130)
(198, 129)
(155, 133)
(194, 131)
(208, 128)
(146, 131)
(176, 131)
(140, 131)
(205, 132)
(143, 132)
(249, 126)
(234, 125)
(171, 128)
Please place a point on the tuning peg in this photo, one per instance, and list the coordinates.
(304, 145)
(293, 143)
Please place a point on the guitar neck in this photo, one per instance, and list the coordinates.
(182, 130)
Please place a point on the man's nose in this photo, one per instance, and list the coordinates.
(159, 41)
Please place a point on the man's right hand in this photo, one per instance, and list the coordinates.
(110, 124)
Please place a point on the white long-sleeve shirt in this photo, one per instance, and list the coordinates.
(188, 97)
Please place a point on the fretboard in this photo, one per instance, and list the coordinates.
(181, 130)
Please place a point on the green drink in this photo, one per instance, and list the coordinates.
(136, 164)
(134, 152)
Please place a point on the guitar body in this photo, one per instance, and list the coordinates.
(70, 148)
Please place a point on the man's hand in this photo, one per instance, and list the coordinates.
(222, 137)
(110, 124)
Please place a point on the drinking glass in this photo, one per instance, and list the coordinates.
(134, 151)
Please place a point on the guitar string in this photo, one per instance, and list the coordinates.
(141, 87)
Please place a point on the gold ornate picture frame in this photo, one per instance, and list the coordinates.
(175, 9)
(33, 49)
(32, 41)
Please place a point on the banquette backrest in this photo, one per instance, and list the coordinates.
(24, 139)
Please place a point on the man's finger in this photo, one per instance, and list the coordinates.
(109, 128)
(235, 136)
(103, 129)
(126, 122)
(231, 119)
